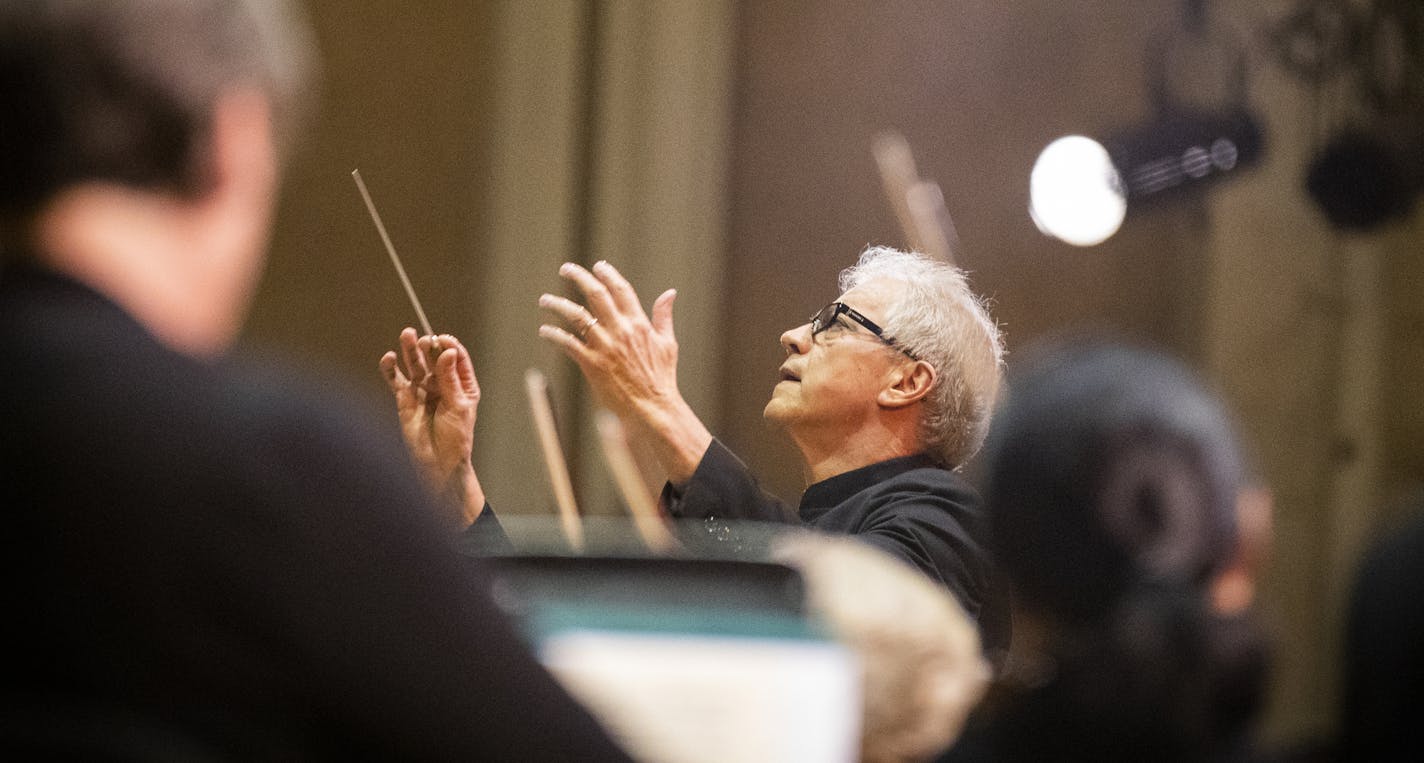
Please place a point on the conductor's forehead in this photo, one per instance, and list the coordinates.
(873, 298)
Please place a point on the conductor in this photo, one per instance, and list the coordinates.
(886, 391)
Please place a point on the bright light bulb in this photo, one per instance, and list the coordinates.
(1075, 192)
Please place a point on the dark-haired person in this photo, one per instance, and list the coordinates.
(206, 560)
(1384, 647)
(1124, 517)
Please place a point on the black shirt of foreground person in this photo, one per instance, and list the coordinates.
(205, 559)
(1384, 648)
(208, 559)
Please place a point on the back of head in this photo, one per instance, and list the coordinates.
(122, 91)
(1112, 477)
(939, 320)
(920, 655)
(1110, 466)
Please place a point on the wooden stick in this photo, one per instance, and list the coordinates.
(646, 518)
(932, 221)
(390, 248)
(918, 204)
(558, 469)
(897, 175)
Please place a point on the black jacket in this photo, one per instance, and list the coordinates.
(235, 562)
(908, 507)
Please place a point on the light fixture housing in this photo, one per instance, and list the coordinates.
(1081, 189)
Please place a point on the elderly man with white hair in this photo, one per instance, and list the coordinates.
(886, 392)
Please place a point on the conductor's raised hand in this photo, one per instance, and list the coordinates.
(628, 359)
(437, 399)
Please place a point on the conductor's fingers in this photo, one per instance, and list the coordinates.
(600, 302)
(569, 310)
(391, 370)
(464, 367)
(566, 342)
(446, 377)
(622, 292)
(424, 372)
(662, 312)
(411, 355)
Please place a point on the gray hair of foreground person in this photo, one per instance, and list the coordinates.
(122, 91)
(938, 319)
(922, 669)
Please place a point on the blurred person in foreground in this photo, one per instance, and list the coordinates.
(921, 666)
(886, 393)
(1125, 521)
(1383, 718)
(206, 559)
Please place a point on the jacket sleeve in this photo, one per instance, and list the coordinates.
(723, 488)
(940, 533)
(486, 535)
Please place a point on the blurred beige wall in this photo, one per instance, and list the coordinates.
(499, 140)
(724, 148)
(403, 99)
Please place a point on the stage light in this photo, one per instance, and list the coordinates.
(1075, 192)
(1361, 182)
(1081, 189)
(1370, 172)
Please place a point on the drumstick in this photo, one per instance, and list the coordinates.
(646, 518)
(390, 248)
(918, 204)
(558, 469)
(897, 175)
(932, 220)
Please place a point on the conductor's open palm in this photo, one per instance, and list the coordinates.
(437, 399)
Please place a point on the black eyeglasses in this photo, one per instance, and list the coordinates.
(826, 317)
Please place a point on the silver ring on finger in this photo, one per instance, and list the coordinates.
(583, 332)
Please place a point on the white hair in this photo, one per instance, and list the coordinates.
(922, 668)
(937, 319)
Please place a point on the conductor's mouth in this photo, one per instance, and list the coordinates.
(786, 374)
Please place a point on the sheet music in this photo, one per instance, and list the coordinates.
(689, 698)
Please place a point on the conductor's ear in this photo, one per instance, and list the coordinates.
(906, 384)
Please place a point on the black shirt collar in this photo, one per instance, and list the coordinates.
(834, 491)
(37, 281)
